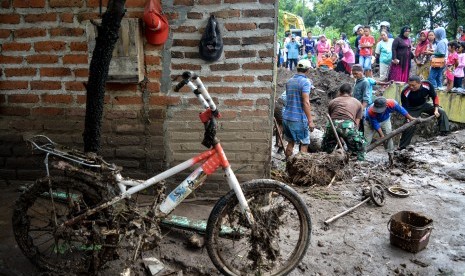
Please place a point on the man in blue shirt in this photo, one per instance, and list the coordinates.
(378, 119)
(297, 119)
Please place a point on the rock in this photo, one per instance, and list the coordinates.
(316, 138)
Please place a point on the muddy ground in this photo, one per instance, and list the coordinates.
(357, 244)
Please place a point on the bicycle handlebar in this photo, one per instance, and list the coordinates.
(195, 84)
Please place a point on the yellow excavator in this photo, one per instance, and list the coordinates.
(294, 24)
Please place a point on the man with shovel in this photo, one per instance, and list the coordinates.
(346, 113)
(378, 119)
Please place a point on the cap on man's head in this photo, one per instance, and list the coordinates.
(379, 105)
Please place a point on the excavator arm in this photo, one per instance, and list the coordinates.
(294, 23)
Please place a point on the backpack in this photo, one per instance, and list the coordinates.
(211, 43)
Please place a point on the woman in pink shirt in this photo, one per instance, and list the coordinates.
(458, 72)
(322, 47)
(348, 59)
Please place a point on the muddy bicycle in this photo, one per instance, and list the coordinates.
(81, 214)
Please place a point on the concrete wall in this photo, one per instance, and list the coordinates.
(146, 127)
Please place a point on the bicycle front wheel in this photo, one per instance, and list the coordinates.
(274, 245)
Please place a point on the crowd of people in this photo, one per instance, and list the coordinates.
(355, 113)
(433, 57)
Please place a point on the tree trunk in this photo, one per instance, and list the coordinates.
(107, 36)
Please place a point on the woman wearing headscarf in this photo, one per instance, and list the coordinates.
(401, 55)
(322, 47)
(436, 71)
(422, 54)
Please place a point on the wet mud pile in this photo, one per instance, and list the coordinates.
(315, 168)
(326, 85)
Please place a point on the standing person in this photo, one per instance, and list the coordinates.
(384, 51)
(378, 119)
(292, 52)
(438, 59)
(423, 53)
(309, 45)
(323, 46)
(401, 55)
(361, 90)
(346, 114)
(458, 72)
(460, 34)
(358, 31)
(287, 40)
(366, 50)
(452, 62)
(297, 117)
(385, 26)
(414, 99)
(348, 58)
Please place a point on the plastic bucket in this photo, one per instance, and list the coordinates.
(410, 231)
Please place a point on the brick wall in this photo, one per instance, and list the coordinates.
(146, 128)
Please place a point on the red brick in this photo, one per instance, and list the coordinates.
(267, 1)
(239, 1)
(75, 59)
(67, 17)
(10, 19)
(77, 112)
(154, 74)
(193, 55)
(20, 72)
(264, 101)
(40, 17)
(55, 72)
(232, 41)
(45, 85)
(124, 100)
(240, 26)
(14, 111)
(258, 13)
(186, 42)
(183, 2)
(172, 15)
(75, 86)
(78, 46)
(152, 60)
(153, 87)
(258, 66)
(81, 73)
(240, 54)
(135, 3)
(122, 86)
(238, 102)
(134, 14)
(29, 3)
(265, 78)
(66, 3)
(47, 111)
(32, 32)
(257, 40)
(165, 100)
(4, 33)
(42, 59)
(257, 90)
(266, 53)
(225, 67)
(209, 2)
(223, 89)
(10, 59)
(239, 79)
(227, 14)
(185, 29)
(211, 79)
(5, 4)
(47, 46)
(12, 85)
(66, 32)
(47, 98)
(87, 16)
(186, 66)
(16, 46)
(194, 15)
(23, 98)
(266, 26)
(96, 3)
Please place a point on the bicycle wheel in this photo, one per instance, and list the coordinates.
(49, 202)
(278, 242)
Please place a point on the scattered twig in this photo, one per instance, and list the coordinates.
(332, 180)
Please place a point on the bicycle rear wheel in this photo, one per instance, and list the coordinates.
(278, 242)
(73, 249)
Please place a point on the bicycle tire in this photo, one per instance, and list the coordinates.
(75, 249)
(271, 202)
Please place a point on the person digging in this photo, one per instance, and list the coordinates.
(378, 119)
(345, 112)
